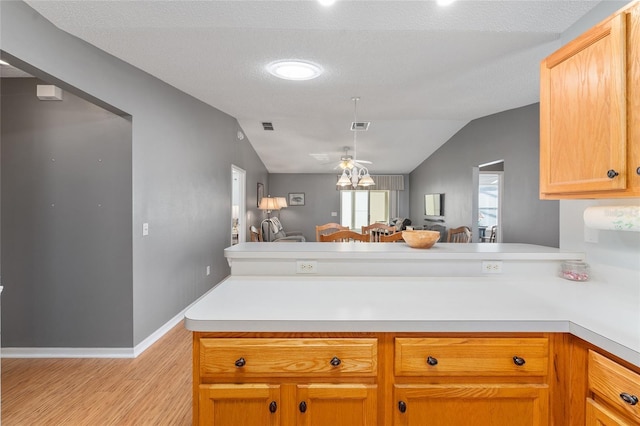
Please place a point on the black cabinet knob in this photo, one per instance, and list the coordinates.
(432, 361)
(240, 362)
(611, 174)
(303, 407)
(518, 361)
(273, 407)
(638, 171)
(402, 406)
(335, 361)
(628, 398)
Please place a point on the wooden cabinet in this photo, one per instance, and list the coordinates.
(614, 393)
(590, 113)
(471, 405)
(285, 381)
(406, 379)
(218, 404)
(471, 381)
(598, 415)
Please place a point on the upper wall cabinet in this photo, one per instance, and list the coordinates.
(590, 113)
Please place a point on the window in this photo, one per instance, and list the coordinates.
(361, 208)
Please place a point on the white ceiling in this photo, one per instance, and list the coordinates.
(422, 71)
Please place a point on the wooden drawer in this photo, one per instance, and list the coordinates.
(288, 357)
(610, 382)
(471, 356)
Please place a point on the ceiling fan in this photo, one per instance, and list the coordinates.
(354, 173)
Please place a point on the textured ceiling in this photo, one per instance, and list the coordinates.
(422, 71)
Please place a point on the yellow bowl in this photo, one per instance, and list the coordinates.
(421, 239)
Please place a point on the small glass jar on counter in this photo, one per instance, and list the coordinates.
(575, 270)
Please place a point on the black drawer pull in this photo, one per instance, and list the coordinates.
(402, 406)
(518, 361)
(335, 361)
(628, 398)
(432, 361)
(273, 407)
(303, 407)
(611, 174)
(240, 362)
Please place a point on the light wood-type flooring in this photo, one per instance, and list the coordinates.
(152, 389)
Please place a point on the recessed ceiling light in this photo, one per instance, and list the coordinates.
(294, 70)
(327, 3)
(445, 2)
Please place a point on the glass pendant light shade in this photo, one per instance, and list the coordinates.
(365, 180)
(344, 179)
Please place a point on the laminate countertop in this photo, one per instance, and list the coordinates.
(604, 314)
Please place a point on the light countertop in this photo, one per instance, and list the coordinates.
(396, 251)
(605, 314)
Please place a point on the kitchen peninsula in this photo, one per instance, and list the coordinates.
(383, 331)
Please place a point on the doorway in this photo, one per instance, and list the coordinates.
(487, 220)
(238, 205)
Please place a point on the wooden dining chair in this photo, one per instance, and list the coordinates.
(391, 238)
(256, 235)
(375, 230)
(328, 228)
(461, 234)
(344, 236)
(492, 234)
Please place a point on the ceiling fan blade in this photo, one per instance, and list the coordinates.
(363, 161)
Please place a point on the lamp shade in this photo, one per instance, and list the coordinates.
(282, 202)
(269, 203)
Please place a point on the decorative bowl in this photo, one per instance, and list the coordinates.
(420, 239)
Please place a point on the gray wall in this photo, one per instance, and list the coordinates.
(182, 151)
(66, 220)
(321, 198)
(510, 135)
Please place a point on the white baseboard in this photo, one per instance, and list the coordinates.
(94, 352)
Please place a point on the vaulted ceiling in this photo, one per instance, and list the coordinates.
(422, 71)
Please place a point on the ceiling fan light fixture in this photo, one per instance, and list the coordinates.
(365, 179)
(344, 179)
(294, 70)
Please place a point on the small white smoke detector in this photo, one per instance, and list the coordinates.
(48, 92)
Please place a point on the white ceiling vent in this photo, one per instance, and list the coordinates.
(267, 125)
(360, 125)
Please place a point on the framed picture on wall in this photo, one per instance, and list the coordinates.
(260, 194)
(296, 199)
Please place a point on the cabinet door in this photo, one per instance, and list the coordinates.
(471, 405)
(633, 93)
(234, 405)
(583, 118)
(597, 415)
(336, 405)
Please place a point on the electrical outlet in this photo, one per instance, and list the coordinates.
(145, 229)
(491, 266)
(306, 267)
(208, 270)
